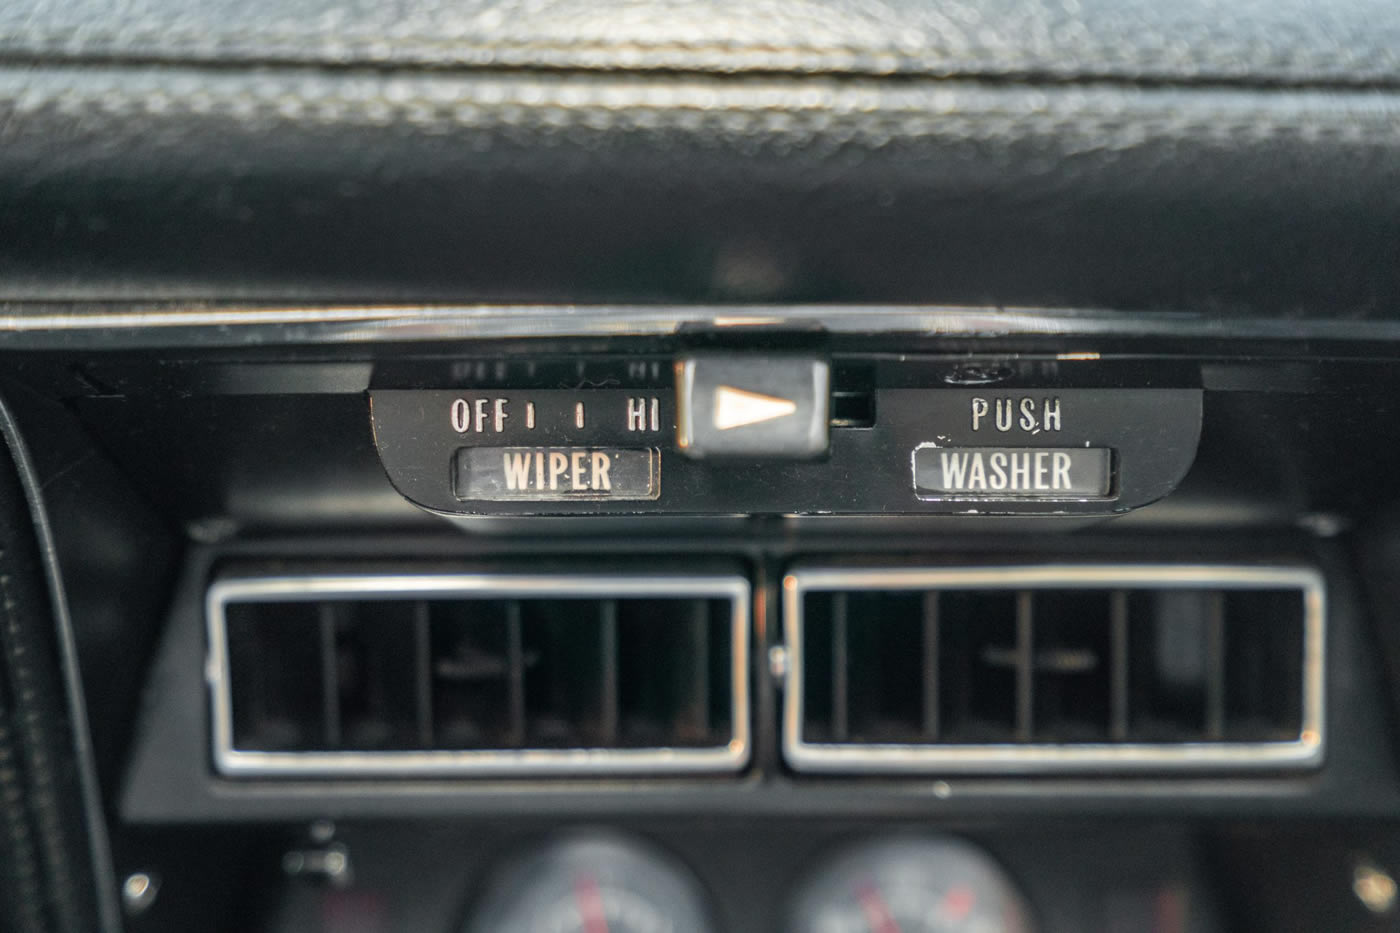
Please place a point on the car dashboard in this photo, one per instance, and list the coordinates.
(699, 467)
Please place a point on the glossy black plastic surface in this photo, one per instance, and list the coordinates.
(539, 451)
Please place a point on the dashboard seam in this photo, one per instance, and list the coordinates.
(1236, 59)
(858, 113)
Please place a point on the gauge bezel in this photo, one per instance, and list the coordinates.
(530, 866)
(820, 875)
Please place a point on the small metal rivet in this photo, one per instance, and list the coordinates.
(329, 865)
(1323, 524)
(212, 530)
(139, 892)
(778, 662)
(978, 374)
(1374, 887)
(322, 831)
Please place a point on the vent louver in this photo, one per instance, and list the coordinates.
(1023, 669)
(479, 675)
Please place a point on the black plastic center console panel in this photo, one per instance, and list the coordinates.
(947, 469)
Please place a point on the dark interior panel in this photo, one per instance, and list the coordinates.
(796, 466)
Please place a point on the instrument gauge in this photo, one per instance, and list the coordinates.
(593, 884)
(925, 885)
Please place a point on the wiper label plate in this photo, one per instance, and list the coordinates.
(552, 474)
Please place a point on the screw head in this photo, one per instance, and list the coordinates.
(139, 892)
(978, 374)
(778, 663)
(1375, 888)
(322, 831)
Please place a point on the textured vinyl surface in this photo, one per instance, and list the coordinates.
(1350, 41)
(1198, 156)
(291, 184)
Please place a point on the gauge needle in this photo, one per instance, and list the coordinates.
(958, 903)
(590, 904)
(877, 912)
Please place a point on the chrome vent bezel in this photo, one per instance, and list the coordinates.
(523, 762)
(1044, 758)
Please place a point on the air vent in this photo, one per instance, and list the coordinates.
(479, 675)
(1053, 668)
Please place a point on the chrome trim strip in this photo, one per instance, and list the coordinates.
(850, 758)
(228, 760)
(41, 327)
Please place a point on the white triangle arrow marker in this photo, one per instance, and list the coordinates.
(735, 408)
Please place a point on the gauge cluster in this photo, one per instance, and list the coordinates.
(691, 875)
(611, 884)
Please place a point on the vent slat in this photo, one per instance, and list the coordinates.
(1215, 666)
(697, 713)
(931, 675)
(607, 650)
(1025, 665)
(840, 668)
(327, 619)
(1118, 666)
(423, 673)
(515, 672)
